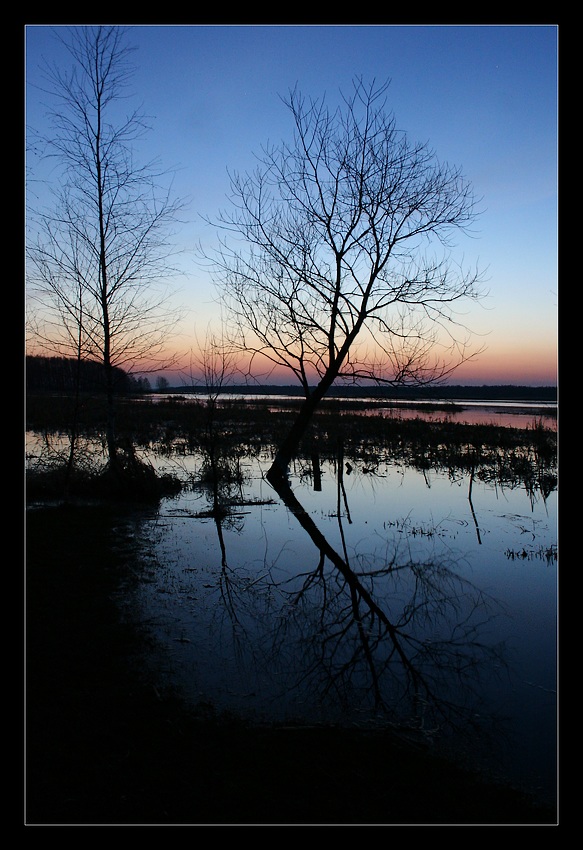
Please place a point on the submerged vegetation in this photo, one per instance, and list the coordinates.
(106, 745)
(136, 752)
(176, 426)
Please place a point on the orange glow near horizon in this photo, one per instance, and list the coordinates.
(508, 367)
(536, 368)
(511, 366)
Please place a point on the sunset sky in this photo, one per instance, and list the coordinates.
(484, 97)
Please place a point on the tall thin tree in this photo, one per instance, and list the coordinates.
(99, 252)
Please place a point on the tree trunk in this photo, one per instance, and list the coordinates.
(288, 448)
(358, 590)
(316, 471)
(110, 422)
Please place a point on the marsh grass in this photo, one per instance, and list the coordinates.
(105, 745)
(51, 475)
(175, 426)
(526, 553)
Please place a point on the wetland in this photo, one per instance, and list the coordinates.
(373, 642)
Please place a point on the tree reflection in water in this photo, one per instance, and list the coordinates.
(395, 636)
(340, 622)
(371, 637)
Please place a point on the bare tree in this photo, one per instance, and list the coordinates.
(333, 277)
(162, 383)
(217, 365)
(98, 255)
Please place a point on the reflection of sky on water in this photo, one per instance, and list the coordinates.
(508, 414)
(232, 636)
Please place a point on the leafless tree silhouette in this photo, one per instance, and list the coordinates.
(341, 267)
(99, 253)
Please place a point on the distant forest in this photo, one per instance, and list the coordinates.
(65, 374)
(59, 374)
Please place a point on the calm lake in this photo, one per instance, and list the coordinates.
(440, 621)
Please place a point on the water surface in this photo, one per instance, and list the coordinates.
(504, 412)
(384, 591)
(252, 617)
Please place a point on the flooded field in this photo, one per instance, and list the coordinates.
(251, 616)
(511, 414)
(386, 588)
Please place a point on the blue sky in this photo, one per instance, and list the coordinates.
(484, 97)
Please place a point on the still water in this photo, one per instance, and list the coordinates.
(375, 593)
(443, 625)
(503, 412)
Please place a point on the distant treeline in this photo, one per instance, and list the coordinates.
(61, 374)
(483, 393)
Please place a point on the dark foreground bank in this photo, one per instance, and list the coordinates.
(105, 746)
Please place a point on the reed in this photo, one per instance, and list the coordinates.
(174, 426)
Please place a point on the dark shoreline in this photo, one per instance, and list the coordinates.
(547, 395)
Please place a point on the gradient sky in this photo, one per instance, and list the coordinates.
(484, 97)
